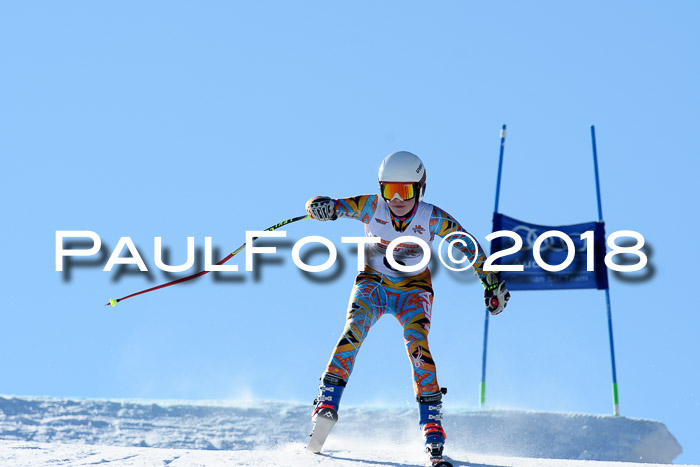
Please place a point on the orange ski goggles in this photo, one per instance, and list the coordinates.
(391, 190)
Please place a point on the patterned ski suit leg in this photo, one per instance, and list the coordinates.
(413, 299)
(365, 308)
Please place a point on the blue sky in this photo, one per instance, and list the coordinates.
(182, 119)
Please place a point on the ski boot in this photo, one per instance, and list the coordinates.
(325, 415)
(430, 406)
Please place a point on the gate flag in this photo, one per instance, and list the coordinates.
(553, 251)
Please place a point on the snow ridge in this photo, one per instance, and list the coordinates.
(272, 424)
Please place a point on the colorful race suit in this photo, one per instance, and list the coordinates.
(381, 289)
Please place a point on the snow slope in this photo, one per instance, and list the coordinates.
(287, 455)
(48, 430)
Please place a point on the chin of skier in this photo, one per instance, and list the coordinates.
(398, 210)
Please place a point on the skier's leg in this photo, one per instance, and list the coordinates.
(415, 334)
(364, 309)
(412, 301)
(414, 315)
(425, 383)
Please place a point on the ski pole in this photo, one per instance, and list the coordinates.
(114, 301)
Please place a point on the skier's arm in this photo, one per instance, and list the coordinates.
(360, 207)
(496, 295)
(442, 224)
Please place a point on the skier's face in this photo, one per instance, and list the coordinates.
(401, 207)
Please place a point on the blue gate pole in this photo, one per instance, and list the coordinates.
(482, 387)
(500, 166)
(616, 399)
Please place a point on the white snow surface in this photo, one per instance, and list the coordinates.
(55, 431)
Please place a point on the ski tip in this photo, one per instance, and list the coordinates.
(113, 302)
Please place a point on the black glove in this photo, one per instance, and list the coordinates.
(321, 208)
(496, 295)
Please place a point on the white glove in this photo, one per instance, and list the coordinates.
(496, 295)
(321, 208)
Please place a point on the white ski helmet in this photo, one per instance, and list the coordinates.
(403, 166)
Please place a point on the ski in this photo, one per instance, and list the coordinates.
(326, 418)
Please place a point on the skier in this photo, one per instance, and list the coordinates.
(380, 288)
